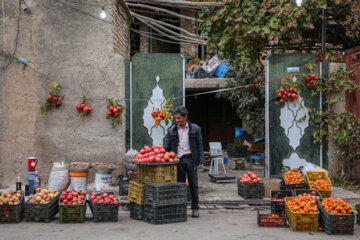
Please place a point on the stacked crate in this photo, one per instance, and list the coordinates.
(156, 196)
(165, 203)
(136, 198)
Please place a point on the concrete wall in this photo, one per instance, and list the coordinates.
(72, 49)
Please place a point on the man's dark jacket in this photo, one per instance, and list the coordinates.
(195, 141)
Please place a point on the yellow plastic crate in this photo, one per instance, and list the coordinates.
(136, 192)
(157, 174)
(312, 175)
(303, 222)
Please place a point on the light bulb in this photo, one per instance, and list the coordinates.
(298, 2)
(103, 14)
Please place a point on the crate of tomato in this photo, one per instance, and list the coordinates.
(319, 181)
(271, 220)
(294, 179)
(11, 206)
(104, 207)
(336, 216)
(250, 186)
(72, 206)
(302, 213)
(277, 200)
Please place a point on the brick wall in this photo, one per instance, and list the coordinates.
(188, 50)
(144, 41)
(121, 32)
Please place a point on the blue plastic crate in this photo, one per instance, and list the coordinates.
(222, 69)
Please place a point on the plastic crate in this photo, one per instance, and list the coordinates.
(12, 213)
(163, 195)
(104, 212)
(310, 175)
(136, 192)
(136, 211)
(157, 174)
(265, 220)
(72, 213)
(336, 224)
(304, 222)
(278, 207)
(124, 187)
(294, 186)
(165, 214)
(250, 190)
(301, 191)
(42, 212)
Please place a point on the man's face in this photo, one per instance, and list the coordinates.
(180, 120)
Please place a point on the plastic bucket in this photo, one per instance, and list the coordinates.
(78, 180)
(102, 181)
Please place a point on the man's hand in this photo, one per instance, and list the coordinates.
(201, 166)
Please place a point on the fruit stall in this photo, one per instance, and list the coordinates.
(302, 202)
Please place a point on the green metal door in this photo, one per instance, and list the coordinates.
(289, 140)
(151, 79)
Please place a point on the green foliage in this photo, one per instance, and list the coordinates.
(248, 101)
(242, 29)
(54, 100)
(116, 117)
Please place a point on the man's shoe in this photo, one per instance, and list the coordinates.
(195, 213)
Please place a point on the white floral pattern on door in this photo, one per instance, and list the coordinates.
(290, 115)
(155, 102)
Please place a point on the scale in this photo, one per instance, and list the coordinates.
(216, 155)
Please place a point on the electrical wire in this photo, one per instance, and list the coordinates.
(149, 2)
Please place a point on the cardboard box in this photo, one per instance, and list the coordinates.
(271, 184)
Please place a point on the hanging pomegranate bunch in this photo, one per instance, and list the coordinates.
(287, 95)
(54, 100)
(84, 107)
(115, 112)
(164, 114)
(312, 80)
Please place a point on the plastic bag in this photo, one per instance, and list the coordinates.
(130, 155)
(239, 132)
(308, 166)
(59, 177)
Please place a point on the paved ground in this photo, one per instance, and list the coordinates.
(213, 224)
(216, 222)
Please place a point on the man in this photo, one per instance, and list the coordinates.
(184, 138)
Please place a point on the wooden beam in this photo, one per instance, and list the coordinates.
(164, 10)
(188, 3)
(165, 24)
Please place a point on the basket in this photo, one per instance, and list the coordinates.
(165, 214)
(265, 220)
(319, 175)
(136, 192)
(13, 213)
(157, 174)
(278, 207)
(136, 211)
(163, 195)
(42, 212)
(297, 192)
(303, 222)
(336, 224)
(72, 213)
(104, 212)
(294, 186)
(250, 190)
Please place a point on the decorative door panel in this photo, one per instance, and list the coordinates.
(288, 129)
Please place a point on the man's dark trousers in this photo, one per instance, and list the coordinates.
(186, 166)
